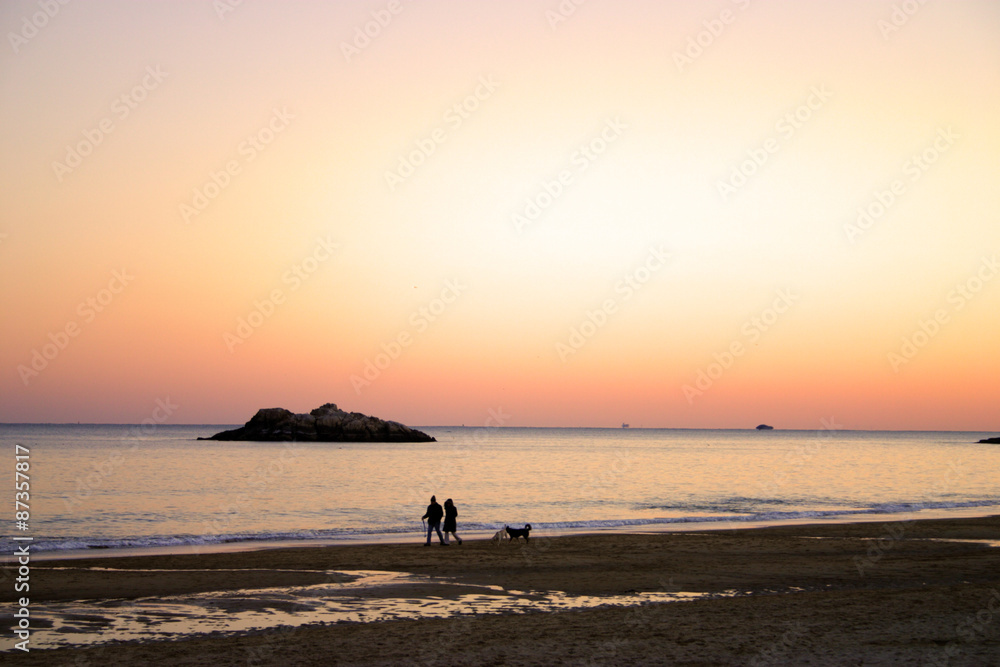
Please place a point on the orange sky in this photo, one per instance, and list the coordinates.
(640, 211)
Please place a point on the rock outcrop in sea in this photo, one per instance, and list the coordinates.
(991, 441)
(327, 423)
(765, 427)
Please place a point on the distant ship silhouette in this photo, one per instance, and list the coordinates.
(624, 425)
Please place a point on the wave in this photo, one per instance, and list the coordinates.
(742, 504)
(349, 534)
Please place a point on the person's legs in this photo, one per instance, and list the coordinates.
(430, 531)
(437, 527)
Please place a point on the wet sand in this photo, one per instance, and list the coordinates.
(913, 593)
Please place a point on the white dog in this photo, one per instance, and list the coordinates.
(500, 537)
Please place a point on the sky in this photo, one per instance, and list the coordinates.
(671, 214)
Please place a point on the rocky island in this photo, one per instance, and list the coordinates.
(990, 441)
(765, 427)
(327, 423)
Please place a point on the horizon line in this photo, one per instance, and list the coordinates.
(612, 428)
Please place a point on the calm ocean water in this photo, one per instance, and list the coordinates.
(120, 486)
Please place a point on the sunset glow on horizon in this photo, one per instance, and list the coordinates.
(687, 214)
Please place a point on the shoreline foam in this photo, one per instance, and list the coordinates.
(225, 544)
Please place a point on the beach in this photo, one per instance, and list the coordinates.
(924, 592)
(700, 295)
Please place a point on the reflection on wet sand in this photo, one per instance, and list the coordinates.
(358, 596)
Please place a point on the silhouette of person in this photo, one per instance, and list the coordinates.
(450, 512)
(433, 516)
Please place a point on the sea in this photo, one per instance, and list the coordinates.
(112, 489)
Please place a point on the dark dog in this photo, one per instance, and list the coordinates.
(515, 533)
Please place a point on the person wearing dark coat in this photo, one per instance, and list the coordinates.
(450, 513)
(433, 516)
